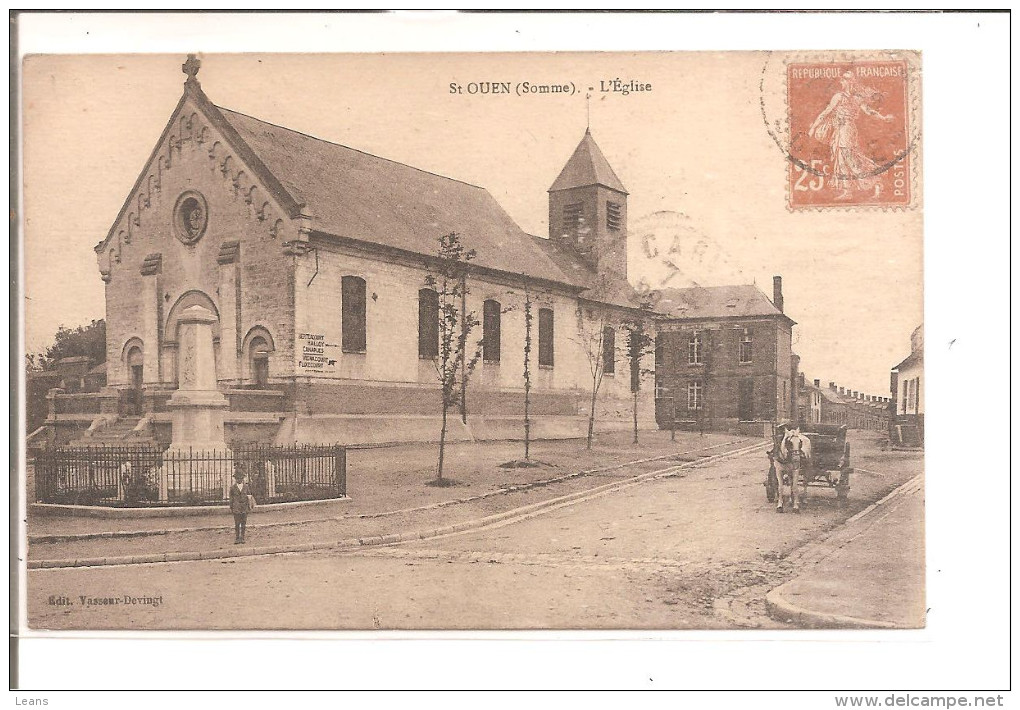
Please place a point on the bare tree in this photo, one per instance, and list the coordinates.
(592, 324)
(639, 343)
(457, 357)
(528, 321)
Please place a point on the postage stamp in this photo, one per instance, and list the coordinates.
(850, 134)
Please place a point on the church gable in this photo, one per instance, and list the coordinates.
(200, 181)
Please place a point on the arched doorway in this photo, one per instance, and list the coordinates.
(188, 299)
(135, 361)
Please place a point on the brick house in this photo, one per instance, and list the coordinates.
(809, 401)
(724, 358)
(314, 257)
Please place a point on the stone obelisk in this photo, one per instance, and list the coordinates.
(198, 459)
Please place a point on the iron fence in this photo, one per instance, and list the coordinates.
(124, 476)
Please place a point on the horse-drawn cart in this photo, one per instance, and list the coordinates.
(824, 462)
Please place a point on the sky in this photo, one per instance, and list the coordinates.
(693, 152)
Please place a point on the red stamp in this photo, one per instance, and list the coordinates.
(849, 134)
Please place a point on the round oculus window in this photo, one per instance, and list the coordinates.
(190, 217)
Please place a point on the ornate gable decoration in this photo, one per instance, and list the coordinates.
(191, 128)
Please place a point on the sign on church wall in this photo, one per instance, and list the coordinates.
(317, 354)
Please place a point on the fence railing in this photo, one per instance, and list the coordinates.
(146, 476)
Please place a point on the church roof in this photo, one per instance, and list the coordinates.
(740, 301)
(363, 197)
(587, 166)
(615, 291)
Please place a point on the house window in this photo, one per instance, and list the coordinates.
(661, 390)
(694, 350)
(490, 331)
(428, 324)
(608, 350)
(545, 337)
(613, 218)
(745, 346)
(571, 217)
(352, 324)
(917, 395)
(694, 395)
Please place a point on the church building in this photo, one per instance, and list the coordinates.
(314, 259)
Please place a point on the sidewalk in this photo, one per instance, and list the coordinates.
(388, 495)
(870, 574)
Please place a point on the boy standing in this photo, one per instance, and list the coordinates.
(239, 506)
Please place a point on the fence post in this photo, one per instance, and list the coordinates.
(340, 469)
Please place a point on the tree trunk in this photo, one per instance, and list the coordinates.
(635, 416)
(527, 420)
(591, 414)
(442, 442)
(463, 347)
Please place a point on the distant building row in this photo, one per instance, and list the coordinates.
(841, 406)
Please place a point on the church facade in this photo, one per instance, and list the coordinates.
(314, 259)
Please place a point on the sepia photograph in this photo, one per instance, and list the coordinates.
(494, 351)
(475, 342)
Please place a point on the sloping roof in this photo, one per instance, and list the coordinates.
(614, 291)
(587, 166)
(716, 302)
(914, 358)
(359, 196)
(830, 395)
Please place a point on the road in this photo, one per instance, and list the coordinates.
(694, 551)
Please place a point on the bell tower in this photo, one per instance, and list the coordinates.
(588, 210)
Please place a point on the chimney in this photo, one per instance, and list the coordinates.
(818, 384)
(832, 385)
(841, 391)
(777, 292)
(801, 376)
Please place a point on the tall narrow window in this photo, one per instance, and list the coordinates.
(613, 216)
(259, 353)
(428, 324)
(694, 395)
(352, 324)
(694, 349)
(745, 346)
(608, 351)
(545, 337)
(490, 331)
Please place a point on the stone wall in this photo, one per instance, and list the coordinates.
(240, 251)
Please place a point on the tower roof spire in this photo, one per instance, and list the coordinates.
(587, 166)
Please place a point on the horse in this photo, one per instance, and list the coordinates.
(791, 453)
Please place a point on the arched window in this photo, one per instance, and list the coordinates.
(258, 354)
(490, 331)
(545, 337)
(352, 325)
(134, 359)
(608, 350)
(428, 324)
